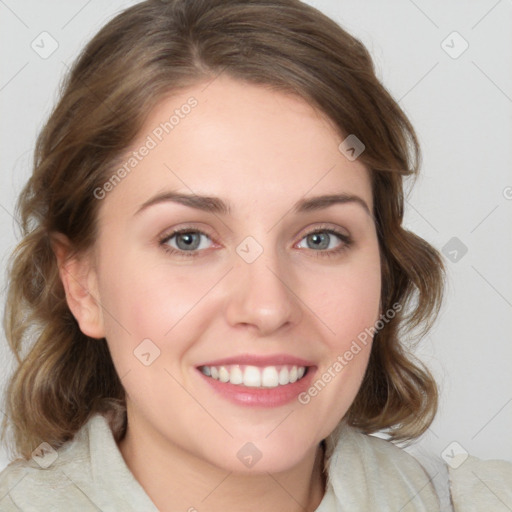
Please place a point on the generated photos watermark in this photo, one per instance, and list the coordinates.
(363, 338)
(152, 140)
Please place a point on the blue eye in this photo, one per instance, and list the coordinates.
(190, 242)
(186, 241)
(324, 240)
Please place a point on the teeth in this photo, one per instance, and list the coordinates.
(236, 375)
(284, 376)
(254, 376)
(269, 377)
(223, 374)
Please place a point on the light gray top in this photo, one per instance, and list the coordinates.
(365, 473)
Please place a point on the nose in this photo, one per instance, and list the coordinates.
(262, 296)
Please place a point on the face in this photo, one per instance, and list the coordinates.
(222, 332)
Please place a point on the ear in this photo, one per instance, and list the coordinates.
(79, 279)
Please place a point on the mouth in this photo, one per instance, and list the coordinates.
(262, 381)
(250, 376)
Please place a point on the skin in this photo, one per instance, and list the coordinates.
(261, 151)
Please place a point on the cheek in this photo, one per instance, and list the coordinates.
(152, 302)
(349, 308)
(164, 298)
(349, 301)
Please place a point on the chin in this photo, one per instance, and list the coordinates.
(261, 457)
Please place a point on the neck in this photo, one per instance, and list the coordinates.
(178, 480)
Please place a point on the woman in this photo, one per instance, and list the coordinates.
(215, 274)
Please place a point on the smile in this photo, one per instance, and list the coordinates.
(254, 376)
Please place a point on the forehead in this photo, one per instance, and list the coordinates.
(239, 141)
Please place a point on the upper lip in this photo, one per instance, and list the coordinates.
(258, 360)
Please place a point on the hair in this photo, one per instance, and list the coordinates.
(148, 51)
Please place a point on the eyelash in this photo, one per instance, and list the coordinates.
(345, 239)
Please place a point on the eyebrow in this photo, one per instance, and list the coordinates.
(218, 206)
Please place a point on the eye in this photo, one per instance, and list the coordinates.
(189, 242)
(327, 242)
(185, 242)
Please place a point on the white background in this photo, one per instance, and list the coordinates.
(462, 110)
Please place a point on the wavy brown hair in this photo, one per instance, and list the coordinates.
(146, 52)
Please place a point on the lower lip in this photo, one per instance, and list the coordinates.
(260, 397)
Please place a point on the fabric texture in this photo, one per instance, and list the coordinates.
(481, 485)
(364, 473)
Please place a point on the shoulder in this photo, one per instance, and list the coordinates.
(375, 473)
(44, 479)
(49, 478)
(478, 484)
(23, 483)
(88, 473)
